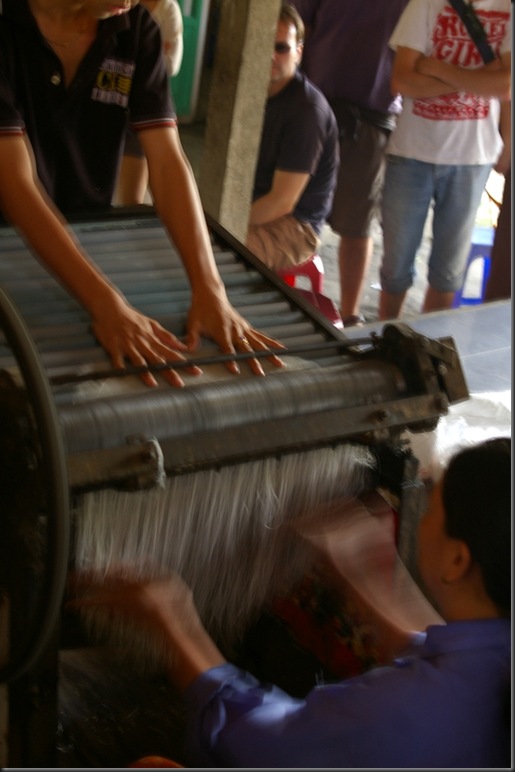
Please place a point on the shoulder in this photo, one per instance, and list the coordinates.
(138, 18)
(141, 26)
(416, 24)
(308, 94)
(170, 8)
(312, 91)
(316, 103)
(417, 9)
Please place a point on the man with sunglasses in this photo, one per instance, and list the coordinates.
(298, 157)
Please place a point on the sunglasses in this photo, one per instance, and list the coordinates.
(282, 48)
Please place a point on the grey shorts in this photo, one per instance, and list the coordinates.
(360, 182)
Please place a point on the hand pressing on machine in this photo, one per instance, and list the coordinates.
(354, 539)
(64, 112)
(129, 335)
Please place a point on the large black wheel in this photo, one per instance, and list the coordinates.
(34, 492)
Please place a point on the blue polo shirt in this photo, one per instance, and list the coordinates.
(77, 132)
(441, 705)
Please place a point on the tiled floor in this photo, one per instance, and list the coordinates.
(482, 334)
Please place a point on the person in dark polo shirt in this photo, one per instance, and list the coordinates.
(298, 157)
(73, 75)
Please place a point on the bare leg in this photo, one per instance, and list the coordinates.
(390, 305)
(132, 182)
(437, 301)
(354, 261)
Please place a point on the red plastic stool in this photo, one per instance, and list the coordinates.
(313, 269)
(324, 304)
(481, 248)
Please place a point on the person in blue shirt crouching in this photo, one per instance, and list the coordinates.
(444, 699)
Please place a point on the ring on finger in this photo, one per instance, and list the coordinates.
(244, 339)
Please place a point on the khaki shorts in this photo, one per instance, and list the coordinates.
(283, 242)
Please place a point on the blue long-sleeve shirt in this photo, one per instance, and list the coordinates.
(440, 705)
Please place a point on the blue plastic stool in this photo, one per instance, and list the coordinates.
(481, 248)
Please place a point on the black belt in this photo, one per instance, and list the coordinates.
(350, 115)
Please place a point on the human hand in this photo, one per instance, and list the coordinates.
(212, 315)
(126, 334)
(356, 537)
(159, 605)
(163, 608)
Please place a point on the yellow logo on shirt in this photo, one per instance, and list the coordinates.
(113, 82)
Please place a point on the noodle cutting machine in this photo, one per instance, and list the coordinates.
(72, 429)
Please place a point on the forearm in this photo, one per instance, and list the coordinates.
(164, 608)
(172, 33)
(180, 209)
(124, 333)
(417, 86)
(355, 543)
(267, 209)
(173, 50)
(183, 216)
(408, 81)
(394, 608)
(190, 655)
(287, 189)
(503, 163)
(491, 80)
(388, 637)
(27, 208)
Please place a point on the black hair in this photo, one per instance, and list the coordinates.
(476, 495)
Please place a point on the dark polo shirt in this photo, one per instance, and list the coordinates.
(78, 132)
(300, 135)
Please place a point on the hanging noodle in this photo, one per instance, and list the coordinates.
(226, 532)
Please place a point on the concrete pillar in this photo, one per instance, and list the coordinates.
(241, 73)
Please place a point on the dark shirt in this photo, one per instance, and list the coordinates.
(77, 132)
(346, 53)
(300, 135)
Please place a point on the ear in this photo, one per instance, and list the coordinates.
(458, 563)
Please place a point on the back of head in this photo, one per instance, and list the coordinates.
(476, 496)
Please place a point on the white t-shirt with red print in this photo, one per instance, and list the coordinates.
(458, 128)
